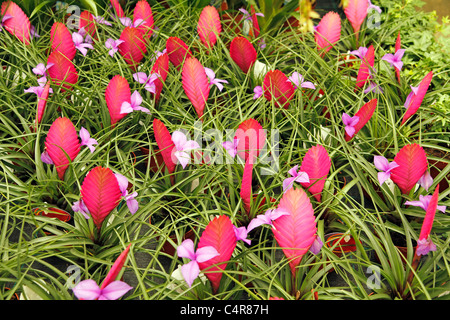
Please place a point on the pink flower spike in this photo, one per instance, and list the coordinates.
(135, 104)
(350, 123)
(258, 90)
(77, 39)
(80, 206)
(212, 79)
(300, 177)
(410, 96)
(86, 139)
(241, 234)
(89, 290)
(423, 203)
(45, 158)
(191, 270)
(231, 147)
(395, 59)
(424, 243)
(182, 145)
(426, 180)
(113, 45)
(267, 218)
(381, 163)
(298, 81)
(316, 246)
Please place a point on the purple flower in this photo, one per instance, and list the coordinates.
(267, 218)
(135, 104)
(241, 234)
(78, 39)
(80, 206)
(113, 45)
(89, 290)
(360, 53)
(371, 6)
(102, 20)
(132, 203)
(33, 33)
(424, 246)
(191, 270)
(86, 139)
(45, 158)
(182, 145)
(157, 54)
(296, 177)
(212, 79)
(423, 203)
(395, 59)
(231, 147)
(426, 180)
(37, 89)
(41, 69)
(316, 246)
(142, 77)
(127, 22)
(373, 87)
(261, 43)
(297, 80)
(5, 18)
(411, 96)
(247, 15)
(258, 90)
(350, 123)
(381, 163)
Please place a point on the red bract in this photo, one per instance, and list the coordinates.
(209, 26)
(165, 143)
(246, 186)
(219, 234)
(87, 22)
(398, 46)
(177, 50)
(133, 47)
(42, 102)
(296, 232)
(243, 53)
(195, 84)
(19, 24)
(412, 164)
(117, 8)
(356, 12)
(63, 71)
(255, 24)
(161, 67)
(365, 68)
(316, 164)
(277, 87)
(417, 99)
(100, 193)
(116, 268)
(117, 92)
(62, 144)
(328, 32)
(61, 40)
(252, 138)
(364, 114)
(143, 11)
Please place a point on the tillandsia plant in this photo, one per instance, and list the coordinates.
(228, 149)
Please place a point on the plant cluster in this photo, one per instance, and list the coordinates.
(185, 150)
